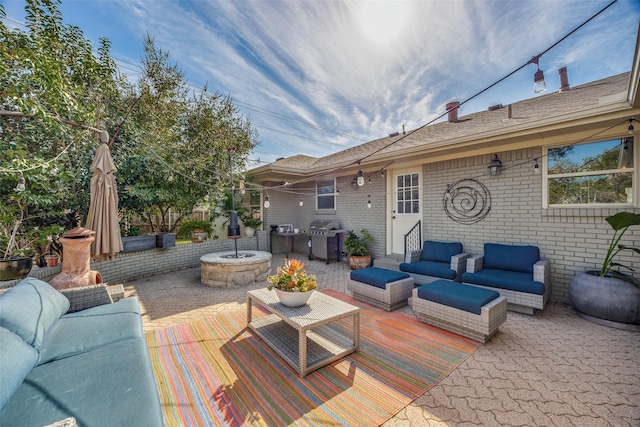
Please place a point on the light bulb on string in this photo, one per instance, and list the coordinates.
(369, 202)
(301, 202)
(630, 126)
(266, 202)
(536, 167)
(21, 184)
(360, 179)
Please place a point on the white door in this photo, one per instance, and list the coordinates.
(406, 206)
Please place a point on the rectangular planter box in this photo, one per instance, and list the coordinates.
(165, 240)
(138, 243)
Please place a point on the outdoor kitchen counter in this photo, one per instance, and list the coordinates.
(288, 240)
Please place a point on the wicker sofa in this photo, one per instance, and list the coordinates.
(436, 260)
(89, 367)
(516, 272)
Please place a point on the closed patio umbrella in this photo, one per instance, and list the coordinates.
(103, 209)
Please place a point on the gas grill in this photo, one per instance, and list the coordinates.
(324, 239)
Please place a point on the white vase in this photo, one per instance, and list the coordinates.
(249, 231)
(293, 299)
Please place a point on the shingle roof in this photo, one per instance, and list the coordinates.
(530, 111)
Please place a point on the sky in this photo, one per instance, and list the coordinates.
(317, 77)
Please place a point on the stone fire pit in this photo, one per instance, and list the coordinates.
(222, 269)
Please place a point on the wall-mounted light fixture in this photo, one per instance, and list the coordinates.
(539, 84)
(495, 167)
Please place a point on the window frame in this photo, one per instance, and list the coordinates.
(326, 195)
(547, 177)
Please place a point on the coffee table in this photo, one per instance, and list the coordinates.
(304, 336)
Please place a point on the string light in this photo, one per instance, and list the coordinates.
(630, 126)
(301, 202)
(369, 201)
(21, 183)
(536, 167)
(360, 180)
(266, 202)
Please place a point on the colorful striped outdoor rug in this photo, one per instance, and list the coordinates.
(213, 371)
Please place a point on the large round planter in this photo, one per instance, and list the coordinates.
(198, 235)
(607, 298)
(358, 262)
(17, 268)
(293, 299)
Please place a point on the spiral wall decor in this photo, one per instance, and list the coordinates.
(467, 201)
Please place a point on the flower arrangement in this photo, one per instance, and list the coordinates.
(292, 278)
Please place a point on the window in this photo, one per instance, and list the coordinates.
(326, 191)
(595, 173)
(408, 195)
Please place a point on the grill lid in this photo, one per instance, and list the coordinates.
(324, 225)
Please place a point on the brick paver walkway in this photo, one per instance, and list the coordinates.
(551, 369)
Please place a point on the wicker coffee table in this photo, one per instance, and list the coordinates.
(306, 337)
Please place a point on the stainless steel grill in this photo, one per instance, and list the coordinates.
(324, 239)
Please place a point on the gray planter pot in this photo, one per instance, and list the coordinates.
(12, 269)
(165, 240)
(606, 298)
(138, 243)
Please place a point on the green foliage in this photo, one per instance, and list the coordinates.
(358, 245)
(169, 146)
(249, 220)
(188, 226)
(620, 223)
(292, 278)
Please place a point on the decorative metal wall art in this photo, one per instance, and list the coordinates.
(467, 201)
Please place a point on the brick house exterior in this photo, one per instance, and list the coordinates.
(573, 237)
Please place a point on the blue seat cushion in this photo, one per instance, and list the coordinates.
(86, 386)
(30, 308)
(376, 276)
(510, 257)
(440, 251)
(18, 358)
(78, 333)
(429, 268)
(504, 279)
(456, 295)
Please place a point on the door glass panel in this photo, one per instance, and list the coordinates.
(408, 194)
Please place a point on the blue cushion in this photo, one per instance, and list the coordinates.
(74, 334)
(510, 257)
(110, 386)
(17, 360)
(504, 279)
(376, 276)
(429, 268)
(30, 308)
(456, 295)
(440, 251)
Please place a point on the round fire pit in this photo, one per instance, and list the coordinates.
(223, 269)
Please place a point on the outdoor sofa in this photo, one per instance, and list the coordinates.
(436, 260)
(516, 272)
(89, 367)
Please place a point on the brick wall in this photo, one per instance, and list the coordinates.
(133, 265)
(574, 240)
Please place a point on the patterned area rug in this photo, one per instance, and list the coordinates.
(213, 371)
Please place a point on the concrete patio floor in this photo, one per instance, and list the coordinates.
(551, 369)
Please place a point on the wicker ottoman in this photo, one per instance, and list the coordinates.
(469, 311)
(387, 289)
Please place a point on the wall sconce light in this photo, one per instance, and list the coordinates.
(536, 167)
(301, 202)
(630, 126)
(369, 202)
(495, 167)
(539, 84)
(360, 179)
(266, 202)
(21, 184)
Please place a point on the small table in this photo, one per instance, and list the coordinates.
(302, 336)
(288, 236)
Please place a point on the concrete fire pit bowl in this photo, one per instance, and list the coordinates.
(223, 269)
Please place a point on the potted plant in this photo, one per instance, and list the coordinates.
(195, 230)
(251, 223)
(357, 248)
(609, 296)
(292, 284)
